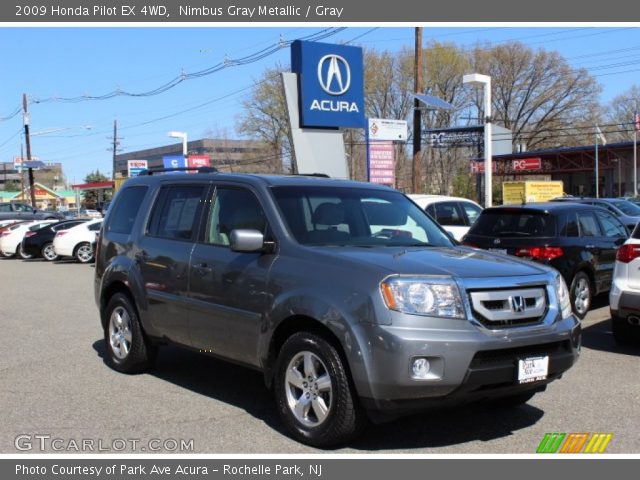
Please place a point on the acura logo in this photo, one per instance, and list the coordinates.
(517, 304)
(334, 74)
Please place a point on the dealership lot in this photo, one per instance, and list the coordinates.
(54, 382)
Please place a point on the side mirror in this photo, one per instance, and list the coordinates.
(246, 241)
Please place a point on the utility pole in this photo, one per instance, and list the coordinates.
(115, 148)
(417, 116)
(27, 139)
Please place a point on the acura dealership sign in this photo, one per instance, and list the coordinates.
(330, 84)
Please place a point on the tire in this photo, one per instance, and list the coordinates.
(512, 401)
(84, 253)
(128, 349)
(330, 415)
(20, 253)
(623, 333)
(581, 294)
(48, 252)
(7, 254)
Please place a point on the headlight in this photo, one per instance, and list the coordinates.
(433, 296)
(562, 292)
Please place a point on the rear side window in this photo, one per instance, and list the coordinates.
(124, 215)
(177, 212)
(570, 228)
(448, 213)
(500, 223)
(636, 232)
(5, 208)
(588, 225)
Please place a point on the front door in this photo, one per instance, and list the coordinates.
(228, 290)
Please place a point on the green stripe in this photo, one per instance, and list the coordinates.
(554, 448)
(543, 443)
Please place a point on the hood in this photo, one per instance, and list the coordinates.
(460, 262)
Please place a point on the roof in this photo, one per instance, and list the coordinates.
(564, 150)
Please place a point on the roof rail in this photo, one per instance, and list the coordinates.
(151, 171)
(320, 175)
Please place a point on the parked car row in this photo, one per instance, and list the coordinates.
(50, 239)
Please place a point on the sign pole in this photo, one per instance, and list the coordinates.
(635, 161)
(597, 186)
(367, 146)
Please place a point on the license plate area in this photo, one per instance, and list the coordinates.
(502, 251)
(533, 369)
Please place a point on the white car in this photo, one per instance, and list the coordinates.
(454, 214)
(624, 296)
(77, 241)
(4, 223)
(11, 239)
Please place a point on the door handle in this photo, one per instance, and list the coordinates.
(590, 246)
(202, 269)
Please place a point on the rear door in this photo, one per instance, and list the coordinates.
(227, 289)
(163, 256)
(592, 242)
(614, 234)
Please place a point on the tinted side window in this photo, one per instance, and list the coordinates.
(472, 211)
(5, 208)
(570, 228)
(233, 209)
(431, 210)
(611, 226)
(126, 211)
(94, 227)
(177, 211)
(448, 213)
(636, 232)
(588, 224)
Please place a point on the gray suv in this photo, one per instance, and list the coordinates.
(352, 301)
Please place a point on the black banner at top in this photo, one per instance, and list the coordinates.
(325, 11)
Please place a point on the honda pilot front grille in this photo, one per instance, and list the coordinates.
(509, 307)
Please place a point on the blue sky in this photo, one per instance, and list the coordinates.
(71, 62)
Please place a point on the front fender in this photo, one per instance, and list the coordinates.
(344, 319)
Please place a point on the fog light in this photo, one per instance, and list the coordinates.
(420, 368)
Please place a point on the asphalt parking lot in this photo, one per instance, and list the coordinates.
(54, 382)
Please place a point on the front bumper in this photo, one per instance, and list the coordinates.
(468, 364)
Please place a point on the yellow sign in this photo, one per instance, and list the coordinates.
(531, 191)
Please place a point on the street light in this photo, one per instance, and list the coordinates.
(183, 136)
(485, 80)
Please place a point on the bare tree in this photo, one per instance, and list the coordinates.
(265, 116)
(537, 95)
(620, 114)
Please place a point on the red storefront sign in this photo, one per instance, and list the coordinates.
(527, 164)
(196, 161)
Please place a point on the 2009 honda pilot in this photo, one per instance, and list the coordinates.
(347, 296)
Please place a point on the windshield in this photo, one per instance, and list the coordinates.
(627, 208)
(330, 216)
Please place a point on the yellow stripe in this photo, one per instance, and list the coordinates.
(590, 444)
(606, 442)
(596, 445)
(581, 441)
(568, 443)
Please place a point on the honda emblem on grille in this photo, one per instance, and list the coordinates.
(517, 304)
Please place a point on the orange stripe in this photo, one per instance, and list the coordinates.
(581, 442)
(569, 440)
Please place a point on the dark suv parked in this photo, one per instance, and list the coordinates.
(578, 240)
(347, 296)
